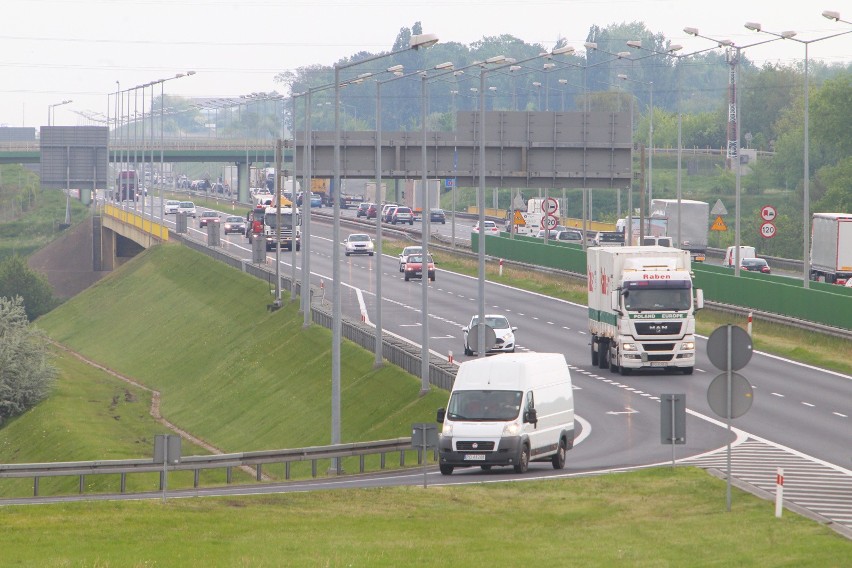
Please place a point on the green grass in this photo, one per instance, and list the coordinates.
(39, 225)
(655, 518)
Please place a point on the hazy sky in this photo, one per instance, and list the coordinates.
(54, 50)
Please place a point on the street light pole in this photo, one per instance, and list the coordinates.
(806, 222)
(416, 42)
(735, 64)
(650, 85)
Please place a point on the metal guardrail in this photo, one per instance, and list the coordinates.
(196, 464)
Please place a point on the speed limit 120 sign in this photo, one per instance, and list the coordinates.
(767, 230)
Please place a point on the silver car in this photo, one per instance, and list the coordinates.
(504, 334)
(359, 243)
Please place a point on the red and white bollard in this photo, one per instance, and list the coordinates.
(750, 318)
(501, 267)
(779, 492)
(450, 357)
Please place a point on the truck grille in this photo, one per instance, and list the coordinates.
(666, 357)
(658, 328)
(467, 445)
(658, 346)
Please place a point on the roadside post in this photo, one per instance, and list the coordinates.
(673, 420)
(166, 451)
(424, 435)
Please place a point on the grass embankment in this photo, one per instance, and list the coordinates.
(230, 372)
(660, 518)
(38, 225)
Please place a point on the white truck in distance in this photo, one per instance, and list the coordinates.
(641, 308)
(831, 247)
(694, 223)
(289, 233)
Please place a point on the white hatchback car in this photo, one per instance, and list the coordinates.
(490, 228)
(359, 243)
(504, 334)
(188, 208)
(171, 207)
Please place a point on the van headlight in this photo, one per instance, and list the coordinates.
(629, 346)
(511, 429)
(688, 345)
(447, 430)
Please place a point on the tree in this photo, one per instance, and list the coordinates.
(18, 280)
(26, 374)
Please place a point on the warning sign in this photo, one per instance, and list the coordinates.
(719, 225)
(519, 219)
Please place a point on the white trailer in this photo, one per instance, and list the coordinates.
(831, 247)
(694, 223)
(642, 308)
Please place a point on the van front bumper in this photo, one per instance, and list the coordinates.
(463, 452)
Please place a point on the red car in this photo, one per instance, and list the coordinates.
(372, 211)
(414, 267)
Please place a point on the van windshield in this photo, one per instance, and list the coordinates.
(478, 405)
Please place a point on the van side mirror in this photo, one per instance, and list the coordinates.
(442, 413)
(531, 416)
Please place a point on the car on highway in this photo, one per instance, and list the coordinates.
(569, 236)
(208, 217)
(414, 267)
(609, 239)
(362, 209)
(358, 243)
(755, 265)
(387, 213)
(406, 252)
(187, 208)
(504, 334)
(234, 224)
(402, 214)
(489, 228)
(372, 211)
(171, 207)
(437, 216)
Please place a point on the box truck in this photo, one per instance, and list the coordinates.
(508, 410)
(642, 308)
(694, 223)
(831, 247)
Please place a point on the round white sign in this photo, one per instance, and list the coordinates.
(551, 206)
(767, 230)
(768, 213)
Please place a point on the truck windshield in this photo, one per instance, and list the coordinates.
(485, 405)
(657, 296)
(286, 221)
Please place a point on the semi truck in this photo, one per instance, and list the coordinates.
(263, 224)
(642, 308)
(831, 247)
(694, 223)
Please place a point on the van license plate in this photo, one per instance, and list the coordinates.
(659, 364)
(474, 457)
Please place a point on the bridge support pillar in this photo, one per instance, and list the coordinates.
(243, 182)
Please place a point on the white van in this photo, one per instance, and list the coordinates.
(745, 252)
(508, 410)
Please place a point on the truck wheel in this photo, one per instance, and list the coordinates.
(523, 460)
(594, 353)
(687, 370)
(613, 367)
(558, 459)
(624, 371)
(446, 469)
(603, 354)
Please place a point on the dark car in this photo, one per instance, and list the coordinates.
(362, 209)
(755, 265)
(437, 216)
(234, 224)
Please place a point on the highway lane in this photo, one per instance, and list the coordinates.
(803, 408)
